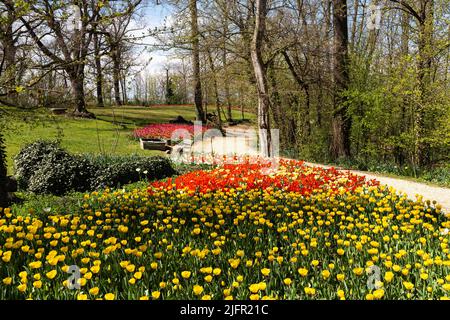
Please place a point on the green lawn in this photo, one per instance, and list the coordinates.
(108, 134)
(140, 116)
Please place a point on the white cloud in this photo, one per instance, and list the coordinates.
(154, 16)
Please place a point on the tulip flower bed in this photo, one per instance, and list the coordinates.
(164, 131)
(233, 233)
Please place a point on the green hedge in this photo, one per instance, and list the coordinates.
(43, 167)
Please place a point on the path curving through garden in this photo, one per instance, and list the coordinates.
(411, 188)
(236, 143)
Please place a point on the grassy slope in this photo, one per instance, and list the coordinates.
(102, 135)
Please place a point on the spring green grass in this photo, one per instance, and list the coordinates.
(108, 134)
(140, 116)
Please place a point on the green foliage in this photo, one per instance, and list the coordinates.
(29, 159)
(170, 95)
(101, 136)
(439, 175)
(55, 174)
(114, 171)
(315, 149)
(41, 205)
(44, 167)
(393, 121)
(182, 168)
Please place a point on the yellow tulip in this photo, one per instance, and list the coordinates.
(22, 287)
(37, 284)
(388, 276)
(156, 295)
(340, 277)
(51, 274)
(94, 291)
(303, 272)
(109, 296)
(408, 285)
(197, 290)
(265, 272)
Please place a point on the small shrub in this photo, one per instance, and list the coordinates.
(440, 175)
(118, 171)
(45, 168)
(183, 168)
(56, 175)
(29, 160)
(86, 173)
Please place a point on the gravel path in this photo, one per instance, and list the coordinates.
(234, 143)
(411, 188)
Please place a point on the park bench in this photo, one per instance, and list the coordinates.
(58, 110)
(155, 144)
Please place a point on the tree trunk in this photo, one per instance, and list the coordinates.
(241, 102)
(215, 87)
(205, 101)
(261, 78)
(305, 88)
(9, 71)
(225, 63)
(404, 46)
(399, 153)
(424, 75)
(275, 100)
(116, 73)
(98, 72)
(201, 116)
(124, 89)
(354, 23)
(168, 88)
(77, 82)
(341, 122)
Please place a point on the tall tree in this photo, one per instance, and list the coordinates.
(73, 44)
(225, 32)
(117, 18)
(260, 72)
(169, 89)
(423, 13)
(8, 39)
(197, 84)
(341, 121)
(215, 86)
(98, 70)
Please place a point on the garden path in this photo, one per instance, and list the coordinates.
(236, 143)
(411, 188)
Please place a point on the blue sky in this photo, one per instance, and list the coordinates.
(155, 16)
